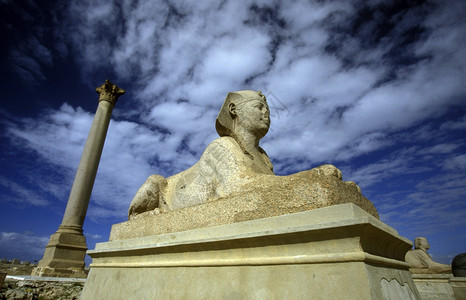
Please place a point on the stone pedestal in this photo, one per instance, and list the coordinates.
(458, 285)
(336, 252)
(63, 257)
(434, 286)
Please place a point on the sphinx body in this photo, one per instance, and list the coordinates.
(221, 171)
(421, 262)
(234, 165)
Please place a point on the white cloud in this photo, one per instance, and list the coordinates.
(22, 193)
(415, 193)
(46, 135)
(180, 60)
(459, 124)
(440, 148)
(59, 137)
(23, 246)
(93, 236)
(26, 67)
(457, 162)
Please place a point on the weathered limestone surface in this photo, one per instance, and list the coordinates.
(303, 191)
(434, 286)
(336, 252)
(459, 287)
(63, 256)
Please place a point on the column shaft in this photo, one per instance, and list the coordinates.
(84, 181)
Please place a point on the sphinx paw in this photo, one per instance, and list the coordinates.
(329, 170)
(148, 196)
(353, 185)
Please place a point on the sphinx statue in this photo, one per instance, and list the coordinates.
(234, 165)
(421, 262)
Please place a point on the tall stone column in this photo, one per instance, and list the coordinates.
(65, 252)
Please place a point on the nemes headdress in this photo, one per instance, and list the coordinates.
(224, 122)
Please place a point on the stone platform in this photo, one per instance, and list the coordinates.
(300, 192)
(440, 286)
(434, 286)
(336, 252)
(458, 285)
(63, 256)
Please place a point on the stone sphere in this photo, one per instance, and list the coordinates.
(458, 265)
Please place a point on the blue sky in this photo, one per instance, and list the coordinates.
(376, 88)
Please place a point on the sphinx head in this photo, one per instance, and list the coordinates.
(421, 243)
(244, 110)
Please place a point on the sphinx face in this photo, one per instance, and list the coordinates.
(254, 116)
(425, 243)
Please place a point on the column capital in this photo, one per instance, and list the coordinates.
(109, 92)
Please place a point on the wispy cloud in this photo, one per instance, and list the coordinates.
(93, 236)
(344, 79)
(184, 58)
(419, 189)
(23, 246)
(22, 193)
(31, 54)
(131, 153)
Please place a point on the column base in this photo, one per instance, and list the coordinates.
(63, 256)
(59, 272)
